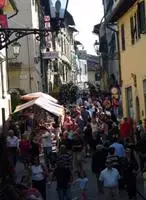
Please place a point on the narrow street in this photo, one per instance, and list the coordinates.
(92, 188)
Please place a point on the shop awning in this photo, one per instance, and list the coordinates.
(44, 103)
(33, 96)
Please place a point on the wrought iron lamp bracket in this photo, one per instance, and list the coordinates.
(11, 35)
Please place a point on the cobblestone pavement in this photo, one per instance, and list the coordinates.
(92, 189)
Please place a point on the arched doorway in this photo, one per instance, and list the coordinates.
(137, 109)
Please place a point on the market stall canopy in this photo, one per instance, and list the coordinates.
(44, 103)
(33, 96)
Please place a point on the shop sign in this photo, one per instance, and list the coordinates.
(50, 55)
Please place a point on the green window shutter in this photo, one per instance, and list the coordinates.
(141, 17)
(123, 37)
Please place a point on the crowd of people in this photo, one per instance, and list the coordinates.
(91, 130)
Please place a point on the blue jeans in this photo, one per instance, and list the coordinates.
(116, 111)
(64, 194)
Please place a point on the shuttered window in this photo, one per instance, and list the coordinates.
(132, 30)
(123, 37)
(144, 91)
(144, 87)
(141, 17)
(138, 25)
(135, 26)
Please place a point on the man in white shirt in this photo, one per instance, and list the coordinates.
(13, 146)
(47, 145)
(109, 177)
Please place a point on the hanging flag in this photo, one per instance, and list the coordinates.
(10, 6)
(3, 21)
(3, 3)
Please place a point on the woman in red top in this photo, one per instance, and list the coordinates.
(68, 123)
(125, 129)
(25, 149)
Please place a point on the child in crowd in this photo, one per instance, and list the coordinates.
(82, 182)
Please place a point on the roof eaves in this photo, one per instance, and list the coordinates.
(121, 8)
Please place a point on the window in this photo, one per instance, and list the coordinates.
(144, 91)
(132, 30)
(3, 116)
(85, 69)
(129, 101)
(136, 26)
(123, 37)
(63, 75)
(141, 17)
(64, 46)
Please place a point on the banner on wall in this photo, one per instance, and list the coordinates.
(9, 6)
(3, 21)
(3, 3)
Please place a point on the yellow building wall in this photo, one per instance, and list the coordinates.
(19, 77)
(133, 60)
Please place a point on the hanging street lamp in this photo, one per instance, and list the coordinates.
(58, 10)
(16, 49)
(96, 47)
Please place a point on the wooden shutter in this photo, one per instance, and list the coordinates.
(138, 23)
(141, 17)
(123, 37)
(132, 30)
(144, 86)
(135, 27)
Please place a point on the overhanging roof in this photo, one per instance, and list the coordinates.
(96, 28)
(44, 103)
(69, 20)
(73, 29)
(121, 8)
(76, 42)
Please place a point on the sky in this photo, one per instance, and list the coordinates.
(86, 14)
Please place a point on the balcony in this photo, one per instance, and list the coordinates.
(118, 9)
